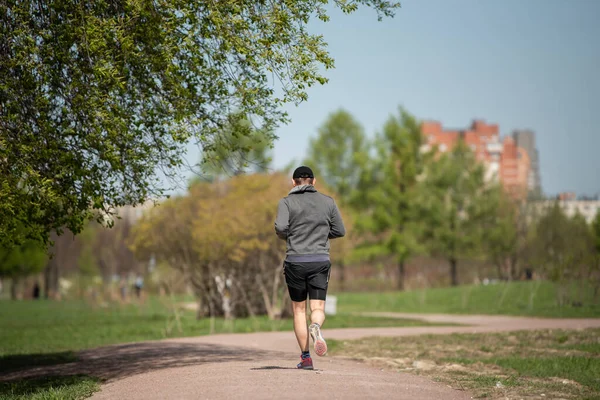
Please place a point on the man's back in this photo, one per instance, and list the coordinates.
(307, 219)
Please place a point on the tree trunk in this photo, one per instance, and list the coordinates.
(47, 279)
(453, 272)
(499, 270)
(342, 275)
(514, 273)
(13, 288)
(51, 278)
(401, 274)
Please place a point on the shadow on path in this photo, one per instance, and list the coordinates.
(270, 367)
(120, 361)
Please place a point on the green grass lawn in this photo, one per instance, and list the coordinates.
(49, 388)
(529, 364)
(37, 327)
(535, 298)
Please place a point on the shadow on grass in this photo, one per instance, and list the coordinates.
(63, 387)
(16, 362)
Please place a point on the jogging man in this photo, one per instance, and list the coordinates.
(306, 220)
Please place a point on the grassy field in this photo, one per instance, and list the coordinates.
(30, 327)
(527, 364)
(535, 298)
(38, 333)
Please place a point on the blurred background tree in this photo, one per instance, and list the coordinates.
(457, 201)
(389, 210)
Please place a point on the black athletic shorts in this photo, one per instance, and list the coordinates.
(307, 278)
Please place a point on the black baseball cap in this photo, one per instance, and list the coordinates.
(303, 172)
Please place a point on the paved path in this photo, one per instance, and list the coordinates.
(261, 365)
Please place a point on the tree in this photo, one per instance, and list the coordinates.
(21, 261)
(252, 152)
(562, 247)
(501, 237)
(333, 153)
(334, 157)
(95, 97)
(165, 233)
(457, 201)
(390, 190)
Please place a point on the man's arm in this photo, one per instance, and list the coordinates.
(336, 226)
(282, 221)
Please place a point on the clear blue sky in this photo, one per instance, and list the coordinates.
(520, 63)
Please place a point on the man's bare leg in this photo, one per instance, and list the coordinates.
(317, 312)
(300, 329)
(317, 317)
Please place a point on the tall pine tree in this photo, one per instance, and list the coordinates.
(390, 188)
(457, 202)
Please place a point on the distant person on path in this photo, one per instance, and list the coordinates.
(139, 283)
(123, 288)
(36, 291)
(306, 220)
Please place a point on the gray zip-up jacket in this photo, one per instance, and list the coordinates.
(307, 219)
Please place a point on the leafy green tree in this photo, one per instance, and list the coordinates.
(20, 261)
(87, 259)
(562, 248)
(253, 147)
(333, 155)
(96, 96)
(505, 226)
(458, 201)
(389, 195)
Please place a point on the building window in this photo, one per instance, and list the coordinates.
(443, 147)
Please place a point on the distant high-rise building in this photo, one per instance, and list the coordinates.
(525, 139)
(504, 159)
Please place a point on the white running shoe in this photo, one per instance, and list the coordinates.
(318, 341)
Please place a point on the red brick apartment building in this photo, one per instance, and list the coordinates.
(503, 159)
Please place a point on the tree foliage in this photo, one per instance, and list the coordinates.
(27, 259)
(252, 151)
(21, 261)
(333, 153)
(458, 202)
(95, 96)
(500, 236)
(561, 245)
(390, 190)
